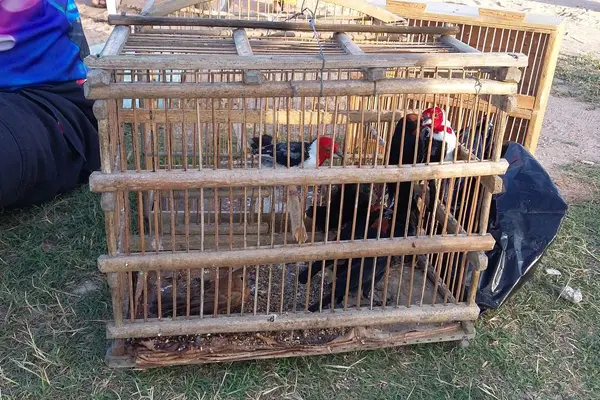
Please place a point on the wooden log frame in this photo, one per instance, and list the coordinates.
(139, 20)
(545, 85)
(286, 62)
(192, 179)
(351, 48)
(116, 41)
(108, 204)
(290, 37)
(298, 88)
(256, 323)
(357, 339)
(297, 253)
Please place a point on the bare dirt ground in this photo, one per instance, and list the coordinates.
(570, 129)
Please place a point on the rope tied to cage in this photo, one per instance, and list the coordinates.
(311, 22)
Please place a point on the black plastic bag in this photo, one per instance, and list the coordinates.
(524, 220)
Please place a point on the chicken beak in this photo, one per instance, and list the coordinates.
(338, 154)
(427, 121)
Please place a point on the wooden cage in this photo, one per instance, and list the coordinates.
(216, 255)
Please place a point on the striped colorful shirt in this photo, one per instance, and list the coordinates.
(41, 42)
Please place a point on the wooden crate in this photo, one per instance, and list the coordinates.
(203, 242)
(490, 30)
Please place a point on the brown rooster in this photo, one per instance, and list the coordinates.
(238, 287)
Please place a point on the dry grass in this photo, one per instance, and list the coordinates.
(53, 304)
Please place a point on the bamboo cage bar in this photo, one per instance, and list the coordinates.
(116, 41)
(237, 229)
(486, 207)
(222, 193)
(477, 258)
(275, 25)
(163, 180)
(351, 48)
(222, 324)
(492, 183)
(275, 62)
(363, 248)
(299, 88)
(244, 49)
(291, 117)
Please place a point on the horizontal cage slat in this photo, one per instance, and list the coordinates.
(295, 253)
(299, 88)
(191, 179)
(265, 62)
(250, 323)
(275, 25)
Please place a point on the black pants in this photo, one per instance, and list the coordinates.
(48, 143)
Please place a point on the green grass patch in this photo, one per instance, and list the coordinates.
(54, 303)
(582, 76)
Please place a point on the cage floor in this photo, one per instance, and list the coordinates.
(272, 289)
(201, 349)
(206, 348)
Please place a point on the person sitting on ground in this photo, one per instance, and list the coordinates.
(48, 132)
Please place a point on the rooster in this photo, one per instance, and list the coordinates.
(315, 153)
(239, 288)
(397, 149)
(407, 146)
(294, 155)
(412, 141)
(436, 127)
(338, 206)
(437, 130)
